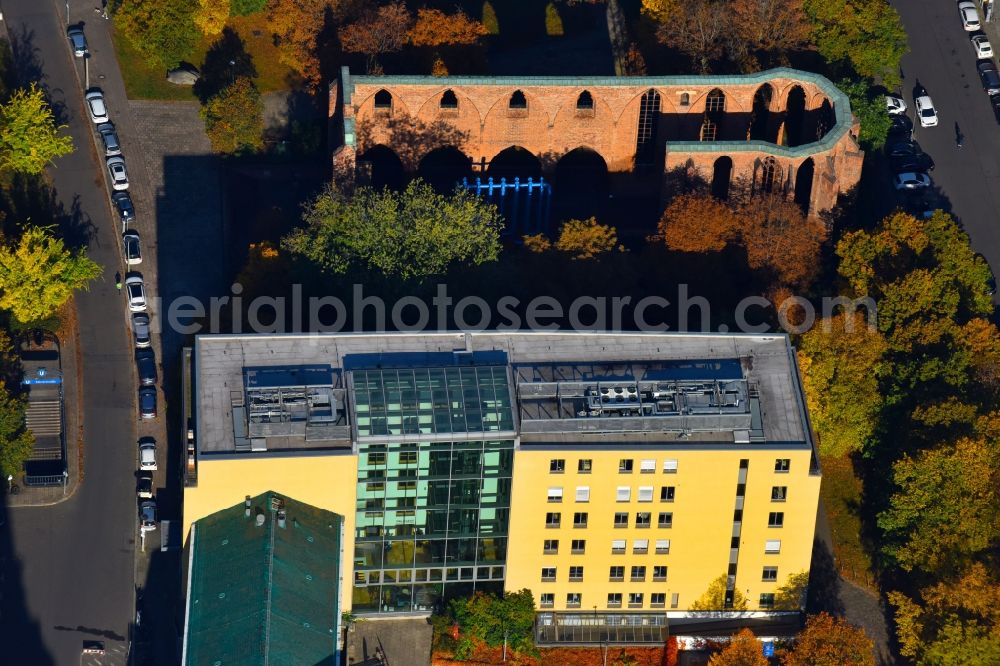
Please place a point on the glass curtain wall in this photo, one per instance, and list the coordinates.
(432, 515)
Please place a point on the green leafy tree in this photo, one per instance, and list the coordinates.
(162, 30)
(234, 118)
(29, 137)
(247, 7)
(928, 284)
(211, 16)
(714, 597)
(842, 360)
(490, 19)
(497, 621)
(830, 641)
(868, 106)
(410, 235)
(553, 22)
(867, 34)
(956, 621)
(16, 442)
(944, 512)
(792, 595)
(38, 274)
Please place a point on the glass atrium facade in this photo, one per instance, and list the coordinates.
(433, 505)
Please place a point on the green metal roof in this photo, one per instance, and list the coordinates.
(840, 102)
(266, 595)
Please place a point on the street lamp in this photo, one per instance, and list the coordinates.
(10, 482)
(232, 72)
(65, 481)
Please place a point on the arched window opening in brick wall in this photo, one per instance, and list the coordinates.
(761, 114)
(383, 99)
(795, 112)
(585, 101)
(449, 100)
(709, 129)
(770, 175)
(722, 173)
(685, 99)
(803, 184)
(715, 102)
(517, 101)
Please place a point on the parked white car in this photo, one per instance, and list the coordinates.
(970, 17)
(147, 454)
(926, 111)
(911, 181)
(981, 45)
(135, 292)
(895, 105)
(119, 176)
(96, 107)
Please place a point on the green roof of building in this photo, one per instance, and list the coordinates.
(260, 593)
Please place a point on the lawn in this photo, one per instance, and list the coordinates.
(143, 81)
(841, 495)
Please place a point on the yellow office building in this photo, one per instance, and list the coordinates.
(617, 476)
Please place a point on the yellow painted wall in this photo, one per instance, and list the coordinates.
(703, 508)
(326, 482)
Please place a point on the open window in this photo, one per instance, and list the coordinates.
(449, 100)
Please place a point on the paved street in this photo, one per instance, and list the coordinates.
(942, 60)
(68, 570)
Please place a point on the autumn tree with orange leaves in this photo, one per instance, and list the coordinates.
(296, 26)
(377, 32)
(830, 641)
(435, 28)
(778, 238)
(698, 223)
(743, 650)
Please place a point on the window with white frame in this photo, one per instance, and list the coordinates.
(772, 546)
(640, 546)
(675, 600)
(670, 466)
(547, 599)
(658, 599)
(548, 574)
(645, 493)
(647, 466)
(635, 599)
(624, 493)
(614, 599)
(666, 493)
(663, 546)
(555, 494)
(583, 493)
(660, 573)
(618, 547)
(574, 599)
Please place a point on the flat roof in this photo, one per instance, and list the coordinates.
(690, 388)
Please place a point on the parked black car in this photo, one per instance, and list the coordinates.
(145, 361)
(989, 76)
(123, 206)
(917, 162)
(899, 148)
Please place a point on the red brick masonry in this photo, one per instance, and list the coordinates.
(414, 116)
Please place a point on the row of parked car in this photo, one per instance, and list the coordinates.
(135, 288)
(907, 161)
(985, 66)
